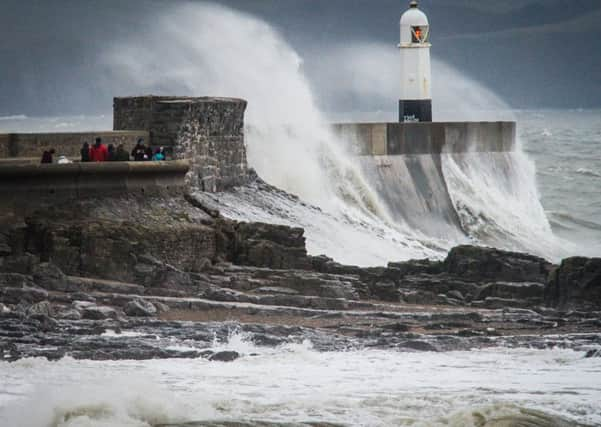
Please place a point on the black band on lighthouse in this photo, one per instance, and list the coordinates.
(415, 110)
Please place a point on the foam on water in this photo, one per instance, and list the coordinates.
(294, 383)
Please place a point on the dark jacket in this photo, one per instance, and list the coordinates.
(121, 155)
(138, 152)
(85, 153)
(47, 157)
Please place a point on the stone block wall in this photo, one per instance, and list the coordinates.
(207, 131)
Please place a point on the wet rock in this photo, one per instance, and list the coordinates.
(576, 283)
(455, 294)
(596, 352)
(512, 290)
(43, 308)
(418, 345)
(161, 308)
(498, 303)
(23, 294)
(96, 312)
(50, 277)
(412, 267)
(269, 245)
(224, 356)
(488, 264)
(385, 291)
(140, 308)
(23, 264)
(69, 314)
(5, 248)
(276, 290)
(396, 327)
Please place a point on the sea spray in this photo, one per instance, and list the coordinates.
(207, 49)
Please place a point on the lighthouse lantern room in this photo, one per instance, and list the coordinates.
(415, 101)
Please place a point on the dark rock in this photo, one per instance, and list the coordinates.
(49, 276)
(576, 283)
(596, 352)
(95, 312)
(511, 290)
(498, 303)
(5, 248)
(23, 294)
(272, 246)
(420, 266)
(418, 345)
(455, 294)
(224, 356)
(140, 308)
(488, 264)
(396, 327)
(161, 308)
(69, 314)
(385, 291)
(23, 264)
(41, 308)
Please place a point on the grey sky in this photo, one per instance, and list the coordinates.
(534, 53)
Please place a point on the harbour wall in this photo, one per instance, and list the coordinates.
(381, 139)
(204, 137)
(404, 164)
(34, 182)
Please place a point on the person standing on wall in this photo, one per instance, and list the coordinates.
(121, 155)
(85, 152)
(99, 152)
(47, 156)
(139, 151)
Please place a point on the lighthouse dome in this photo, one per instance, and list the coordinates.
(414, 26)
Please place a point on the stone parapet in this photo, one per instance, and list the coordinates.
(381, 139)
(29, 183)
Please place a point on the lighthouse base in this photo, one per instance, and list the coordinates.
(415, 110)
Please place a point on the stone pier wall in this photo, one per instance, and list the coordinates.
(208, 131)
(387, 139)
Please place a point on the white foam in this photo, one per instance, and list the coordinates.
(294, 383)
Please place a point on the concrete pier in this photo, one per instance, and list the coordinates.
(381, 139)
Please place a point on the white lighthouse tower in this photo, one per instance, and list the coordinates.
(415, 101)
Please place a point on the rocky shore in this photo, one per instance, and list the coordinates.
(166, 276)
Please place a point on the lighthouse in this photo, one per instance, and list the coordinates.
(415, 101)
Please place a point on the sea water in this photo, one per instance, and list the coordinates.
(294, 383)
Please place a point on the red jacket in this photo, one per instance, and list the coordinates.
(99, 154)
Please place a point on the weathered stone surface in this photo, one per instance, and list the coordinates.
(49, 276)
(576, 283)
(41, 308)
(478, 263)
(69, 314)
(512, 290)
(140, 308)
(208, 131)
(22, 294)
(268, 245)
(95, 312)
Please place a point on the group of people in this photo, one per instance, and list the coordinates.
(98, 152)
